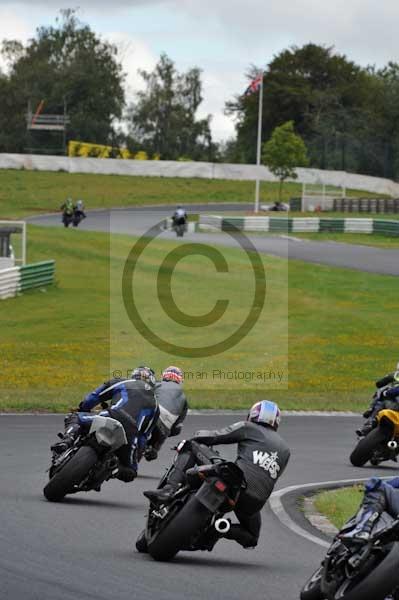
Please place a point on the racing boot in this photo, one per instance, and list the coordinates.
(374, 504)
(241, 536)
(176, 478)
(367, 427)
(163, 495)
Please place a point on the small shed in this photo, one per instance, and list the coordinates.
(11, 253)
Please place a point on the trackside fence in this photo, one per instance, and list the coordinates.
(300, 224)
(15, 280)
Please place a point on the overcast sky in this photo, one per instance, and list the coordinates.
(222, 37)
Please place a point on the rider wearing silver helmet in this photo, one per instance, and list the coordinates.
(262, 455)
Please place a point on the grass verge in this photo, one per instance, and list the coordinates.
(24, 193)
(339, 505)
(56, 344)
(363, 239)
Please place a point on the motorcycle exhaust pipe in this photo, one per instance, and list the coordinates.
(392, 445)
(222, 525)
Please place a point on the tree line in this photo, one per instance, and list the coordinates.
(347, 115)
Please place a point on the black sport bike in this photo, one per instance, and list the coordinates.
(190, 520)
(356, 570)
(89, 462)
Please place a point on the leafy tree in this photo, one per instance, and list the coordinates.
(284, 152)
(68, 63)
(163, 119)
(319, 90)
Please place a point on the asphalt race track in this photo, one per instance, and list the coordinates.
(136, 221)
(83, 548)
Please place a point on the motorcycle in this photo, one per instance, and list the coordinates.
(89, 462)
(78, 216)
(67, 219)
(179, 227)
(358, 571)
(196, 511)
(382, 442)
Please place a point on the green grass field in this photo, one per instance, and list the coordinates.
(24, 193)
(339, 505)
(56, 344)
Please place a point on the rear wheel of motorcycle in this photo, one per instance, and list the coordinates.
(377, 585)
(312, 588)
(178, 532)
(365, 448)
(71, 474)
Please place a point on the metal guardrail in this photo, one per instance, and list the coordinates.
(37, 275)
(9, 282)
(18, 279)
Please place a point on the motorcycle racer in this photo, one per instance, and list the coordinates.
(262, 456)
(173, 410)
(133, 404)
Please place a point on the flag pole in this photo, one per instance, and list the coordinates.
(259, 144)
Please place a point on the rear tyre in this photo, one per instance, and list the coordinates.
(71, 474)
(312, 588)
(177, 534)
(365, 448)
(376, 586)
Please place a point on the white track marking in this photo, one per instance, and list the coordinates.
(276, 505)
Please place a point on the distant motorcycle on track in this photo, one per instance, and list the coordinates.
(67, 219)
(77, 217)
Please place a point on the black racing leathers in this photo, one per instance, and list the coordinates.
(262, 456)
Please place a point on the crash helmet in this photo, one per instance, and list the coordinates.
(265, 412)
(145, 374)
(173, 374)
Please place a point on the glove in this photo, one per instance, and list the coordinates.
(367, 413)
(150, 453)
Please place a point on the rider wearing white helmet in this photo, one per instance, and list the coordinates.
(262, 455)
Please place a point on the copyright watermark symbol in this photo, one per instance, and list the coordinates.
(165, 275)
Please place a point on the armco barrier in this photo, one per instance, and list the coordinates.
(300, 224)
(19, 279)
(9, 282)
(37, 275)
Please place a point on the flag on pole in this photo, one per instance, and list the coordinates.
(254, 85)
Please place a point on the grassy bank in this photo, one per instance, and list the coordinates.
(339, 505)
(24, 193)
(56, 344)
(363, 239)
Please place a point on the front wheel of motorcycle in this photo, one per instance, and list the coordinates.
(63, 482)
(377, 585)
(141, 543)
(177, 534)
(312, 588)
(366, 446)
